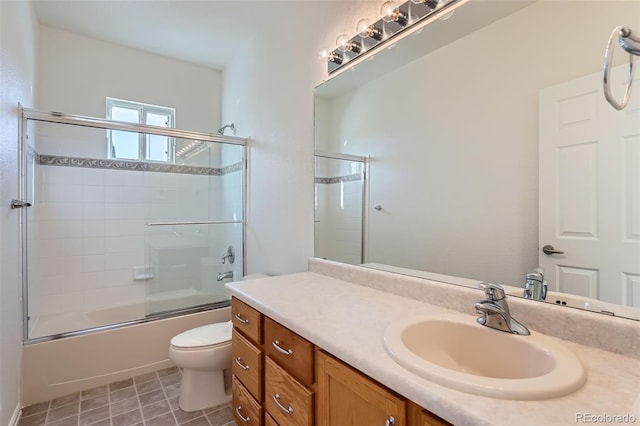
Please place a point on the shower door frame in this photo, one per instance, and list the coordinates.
(26, 114)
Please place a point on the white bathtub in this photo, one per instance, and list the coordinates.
(59, 367)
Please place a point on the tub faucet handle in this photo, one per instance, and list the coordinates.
(229, 254)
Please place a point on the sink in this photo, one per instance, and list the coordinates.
(457, 352)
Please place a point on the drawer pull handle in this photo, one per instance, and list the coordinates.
(276, 399)
(279, 348)
(242, 320)
(391, 421)
(240, 364)
(243, 418)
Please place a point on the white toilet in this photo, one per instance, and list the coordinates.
(203, 353)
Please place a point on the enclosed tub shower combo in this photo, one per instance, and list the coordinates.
(111, 241)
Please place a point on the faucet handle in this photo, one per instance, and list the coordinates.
(492, 291)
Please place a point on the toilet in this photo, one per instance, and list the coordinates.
(203, 353)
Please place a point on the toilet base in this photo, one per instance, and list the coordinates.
(202, 389)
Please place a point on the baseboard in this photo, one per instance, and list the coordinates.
(16, 416)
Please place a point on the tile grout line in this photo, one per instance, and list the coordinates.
(175, 419)
(79, 406)
(46, 417)
(109, 402)
(135, 388)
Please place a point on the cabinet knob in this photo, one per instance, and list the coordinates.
(391, 421)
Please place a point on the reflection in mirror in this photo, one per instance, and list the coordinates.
(339, 206)
(499, 143)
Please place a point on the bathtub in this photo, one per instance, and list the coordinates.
(59, 367)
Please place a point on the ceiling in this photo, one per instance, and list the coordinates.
(204, 32)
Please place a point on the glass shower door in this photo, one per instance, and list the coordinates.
(193, 243)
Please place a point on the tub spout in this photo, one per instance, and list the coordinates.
(224, 275)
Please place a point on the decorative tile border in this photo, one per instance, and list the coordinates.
(137, 166)
(348, 178)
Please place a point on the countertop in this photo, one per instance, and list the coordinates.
(348, 320)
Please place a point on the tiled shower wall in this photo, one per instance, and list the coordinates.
(88, 236)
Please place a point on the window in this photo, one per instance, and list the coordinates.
(138, 146)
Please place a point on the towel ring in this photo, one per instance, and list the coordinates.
(622, 33)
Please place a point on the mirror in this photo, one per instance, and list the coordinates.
(490, 143)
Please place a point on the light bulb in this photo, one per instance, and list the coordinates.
(390, 13)
(366, 29)
(323, 54)
(362, 27)
(342, 42)
(387, 11)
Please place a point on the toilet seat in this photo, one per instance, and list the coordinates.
(206, 336)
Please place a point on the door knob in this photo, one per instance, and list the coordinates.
(549, 250)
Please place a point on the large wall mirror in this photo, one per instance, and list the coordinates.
(494, 141)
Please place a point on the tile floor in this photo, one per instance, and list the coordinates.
(146, 400)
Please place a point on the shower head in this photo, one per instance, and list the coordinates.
(230, 126)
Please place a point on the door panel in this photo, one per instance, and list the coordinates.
(589, 167)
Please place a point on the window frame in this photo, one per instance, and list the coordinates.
(143, 138)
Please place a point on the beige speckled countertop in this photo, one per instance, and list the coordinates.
(348, 320)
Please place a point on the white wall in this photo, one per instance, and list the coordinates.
(469, 206)
(17, 76)
(268, 93)
(76, 74)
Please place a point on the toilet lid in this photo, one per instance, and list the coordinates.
(207, 335)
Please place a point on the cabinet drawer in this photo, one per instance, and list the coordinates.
(290, 351)
(288, 401)
(268, 420)
(246, 410)
(247, 320)
(247, 364)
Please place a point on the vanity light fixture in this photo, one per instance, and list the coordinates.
(395, 18)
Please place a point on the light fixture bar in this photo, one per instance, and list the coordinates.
(396, 20)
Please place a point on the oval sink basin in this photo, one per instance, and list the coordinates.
(459, 353)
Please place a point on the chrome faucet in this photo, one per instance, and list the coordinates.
(535, 286)
(495, 311)
(224, 275)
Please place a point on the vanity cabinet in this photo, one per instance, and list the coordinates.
(273, 371)
(247, 364)
(282, 379)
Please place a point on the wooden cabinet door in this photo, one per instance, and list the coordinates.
(346, 397)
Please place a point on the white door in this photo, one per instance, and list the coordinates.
(589, 165)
